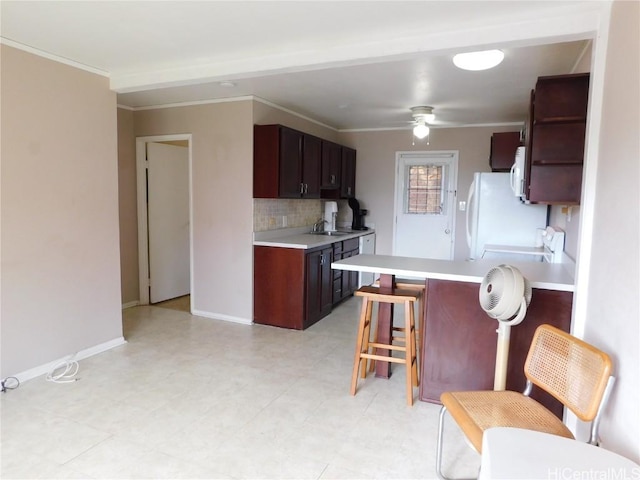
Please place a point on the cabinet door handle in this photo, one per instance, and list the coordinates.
(322, 259)
(306, 188)
(348, 190)
(302, 189)
(333, 179)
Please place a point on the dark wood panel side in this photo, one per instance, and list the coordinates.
(459, 345)
(266, 144)
(278, 287)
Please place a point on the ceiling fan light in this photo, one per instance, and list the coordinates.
(483, 60)
(420, 131)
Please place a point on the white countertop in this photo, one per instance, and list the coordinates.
(547, 276)
(301, 238)
(538, 251)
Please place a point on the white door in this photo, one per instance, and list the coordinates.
(425, 204)
(168, 218)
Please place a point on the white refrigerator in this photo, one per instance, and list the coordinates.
(496, 216)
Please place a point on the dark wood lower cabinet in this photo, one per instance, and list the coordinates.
(292, 288)
(459, 344)
(345, 282)
(319, 285)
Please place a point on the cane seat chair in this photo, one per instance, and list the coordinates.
(571, 370)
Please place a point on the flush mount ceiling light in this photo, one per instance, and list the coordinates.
(421, 117)
(227, 84)
(478, 60)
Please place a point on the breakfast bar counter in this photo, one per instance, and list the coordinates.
(458, 346)
(548, 276)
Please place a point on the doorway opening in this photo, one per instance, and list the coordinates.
(424, 211)
(165, 246)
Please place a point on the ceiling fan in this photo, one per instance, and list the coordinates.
(422, 117)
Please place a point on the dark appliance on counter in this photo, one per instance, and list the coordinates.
(358, 215)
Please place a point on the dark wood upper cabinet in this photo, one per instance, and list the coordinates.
(555, 136)
(348, 180)
(286, 163)
(331, 165)
(290, 163)
(311, 162)
(562, 98)
(503, 150)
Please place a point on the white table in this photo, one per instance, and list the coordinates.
(514, 453)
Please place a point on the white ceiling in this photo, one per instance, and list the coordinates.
(347, 64)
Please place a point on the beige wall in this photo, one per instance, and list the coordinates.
(127, 194)
(613, 311)
(60, 255)
(222, 201)
(375, 172)
(269, 212)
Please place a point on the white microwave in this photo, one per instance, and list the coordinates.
(517, 174)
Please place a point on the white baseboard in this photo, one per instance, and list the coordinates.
(135, 303)
(88, 352)
(220, 316)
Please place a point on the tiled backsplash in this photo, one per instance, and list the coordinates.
(272, 214)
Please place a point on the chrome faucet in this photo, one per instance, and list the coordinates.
(318, 226)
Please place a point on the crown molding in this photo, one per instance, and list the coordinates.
(50, 56)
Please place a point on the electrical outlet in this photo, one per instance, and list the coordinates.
(285, 221)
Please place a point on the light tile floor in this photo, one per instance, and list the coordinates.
(189, 397)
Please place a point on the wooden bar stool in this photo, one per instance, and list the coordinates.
(364, 345)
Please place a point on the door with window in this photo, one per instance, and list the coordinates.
(425, 204)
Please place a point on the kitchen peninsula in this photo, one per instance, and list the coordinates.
(458, 346)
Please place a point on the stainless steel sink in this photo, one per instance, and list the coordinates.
(330, 234)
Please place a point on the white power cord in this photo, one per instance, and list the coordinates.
(64, 372)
